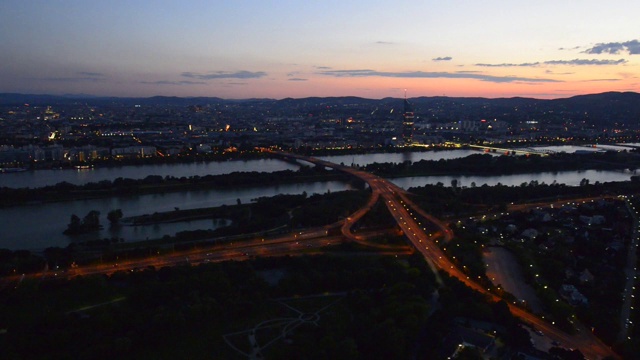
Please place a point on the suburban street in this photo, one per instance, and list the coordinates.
(631, 274)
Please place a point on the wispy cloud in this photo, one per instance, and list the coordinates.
(226, 75)
(508, 64)
(350, 73)
(600, 80)
(91, 74)
(72, 79)
(628, 75)
(445, 58)
(631, 47)
(384, 43)
(323, 67)
(557, 73)
(586, 62)
(168, 82)
(432, 75)
(575, 62)
(573, 48)
(81, 76)
(297, 79)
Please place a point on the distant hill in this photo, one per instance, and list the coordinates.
(606, 109)
(43, 100)
(610, 107)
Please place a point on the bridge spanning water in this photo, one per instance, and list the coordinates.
(406, 213)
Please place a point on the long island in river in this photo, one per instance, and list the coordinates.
(36, 225)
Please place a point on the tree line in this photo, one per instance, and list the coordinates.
(497, 165)
(156, 183)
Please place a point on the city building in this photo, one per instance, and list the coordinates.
(407, 122)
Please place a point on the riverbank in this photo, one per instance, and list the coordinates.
(153, 184)
(472, 165)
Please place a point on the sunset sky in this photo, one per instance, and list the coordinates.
(278, 49)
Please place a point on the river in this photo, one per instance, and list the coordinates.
(40, 226)
(572, 178)
(40, 178)
(366, 159)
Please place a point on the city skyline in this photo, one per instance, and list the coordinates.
(373, 49)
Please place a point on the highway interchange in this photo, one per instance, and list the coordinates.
(421, 229)
(406, 215)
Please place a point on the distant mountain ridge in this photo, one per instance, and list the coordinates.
(46, 99)
(609, 108)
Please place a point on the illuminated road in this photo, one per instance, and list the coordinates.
(631, 273)
(406, 215)
(298, 243)
(557, 203)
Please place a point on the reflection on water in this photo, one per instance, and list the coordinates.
(366, 159)
(571, 178)
(41, 226)
(40, 178)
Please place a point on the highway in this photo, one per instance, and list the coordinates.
(298, 243)
(406, 214)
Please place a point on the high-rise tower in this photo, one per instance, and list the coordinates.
(407, 122)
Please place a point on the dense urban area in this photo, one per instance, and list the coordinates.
(452, 268)
(45, 131)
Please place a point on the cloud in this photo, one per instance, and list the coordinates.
(349, 73)
(632, 47)
(577, 62)
(599, 80)
(573, 48)
(508, 64)
(83, 76)
(167, 82)
(384, 43)
(557, 73)
(297, 79)
(226, 75)
(323, 67)
(585, 62)
(446, 58)
(628, 75)
(432, 75)
(90, 74)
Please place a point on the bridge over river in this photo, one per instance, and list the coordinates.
(406, 213)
